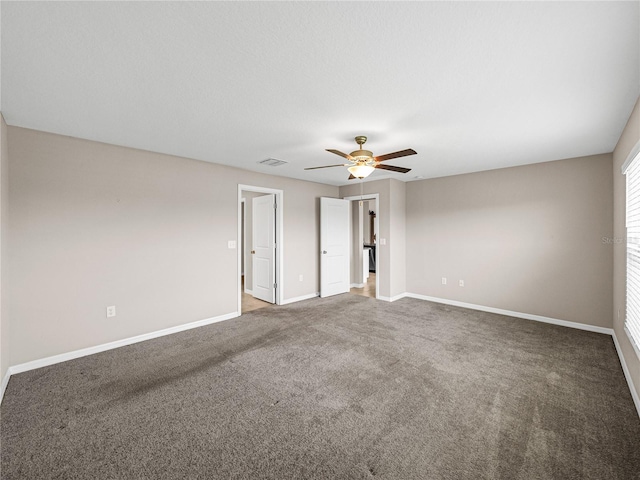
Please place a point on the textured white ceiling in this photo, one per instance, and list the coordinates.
(469, 86)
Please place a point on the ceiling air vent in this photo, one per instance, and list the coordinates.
(272, 162)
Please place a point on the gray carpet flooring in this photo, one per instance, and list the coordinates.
(340, 388)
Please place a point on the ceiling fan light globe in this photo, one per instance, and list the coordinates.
(361, 171)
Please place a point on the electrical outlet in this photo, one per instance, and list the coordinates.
(300, 277)
(111, 311)
(444, 280)
(461, 283)
(231, 244)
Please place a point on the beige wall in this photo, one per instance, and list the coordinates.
(527, 239)
(94, 225)
(397, 253)
(629, 138)
(4, 211)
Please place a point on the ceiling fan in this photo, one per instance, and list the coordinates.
(363, 163)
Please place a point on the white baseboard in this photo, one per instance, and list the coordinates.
(299, 299)
(63, 357)
(510, 313)
(250, 292)
(357, 285)
(43, 362)
(392, 299)
(627, 374)
(5, 382)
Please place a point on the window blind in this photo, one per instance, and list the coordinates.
(632, 322)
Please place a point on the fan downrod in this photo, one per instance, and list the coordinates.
(360, 140)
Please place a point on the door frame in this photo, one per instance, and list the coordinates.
(376, 197)
(279, 264)
(243, 234)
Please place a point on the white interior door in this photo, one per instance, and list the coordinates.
(334, 245)
(263, 251)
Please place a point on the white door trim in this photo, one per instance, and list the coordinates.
(279, 239)
(243, 229)
(376, 197)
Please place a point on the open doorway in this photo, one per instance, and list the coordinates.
(365, 268)
(260, 259)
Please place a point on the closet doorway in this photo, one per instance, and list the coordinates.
(260, 259)
(364, 252)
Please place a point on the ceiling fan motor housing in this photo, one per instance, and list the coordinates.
(360, 156)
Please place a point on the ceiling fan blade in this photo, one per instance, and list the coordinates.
(392, 168)
(338, 152)
(351, 177)
(401, 153)
(328, 166)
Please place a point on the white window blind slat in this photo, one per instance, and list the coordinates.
(632, 322)
(635, 182)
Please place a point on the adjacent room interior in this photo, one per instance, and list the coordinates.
(320, 240)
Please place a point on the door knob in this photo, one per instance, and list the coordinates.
(324, 252)
(253, 252)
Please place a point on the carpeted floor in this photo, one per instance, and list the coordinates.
(340, 388)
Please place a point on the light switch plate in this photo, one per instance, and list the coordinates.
(383, 241)
(231, 244)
